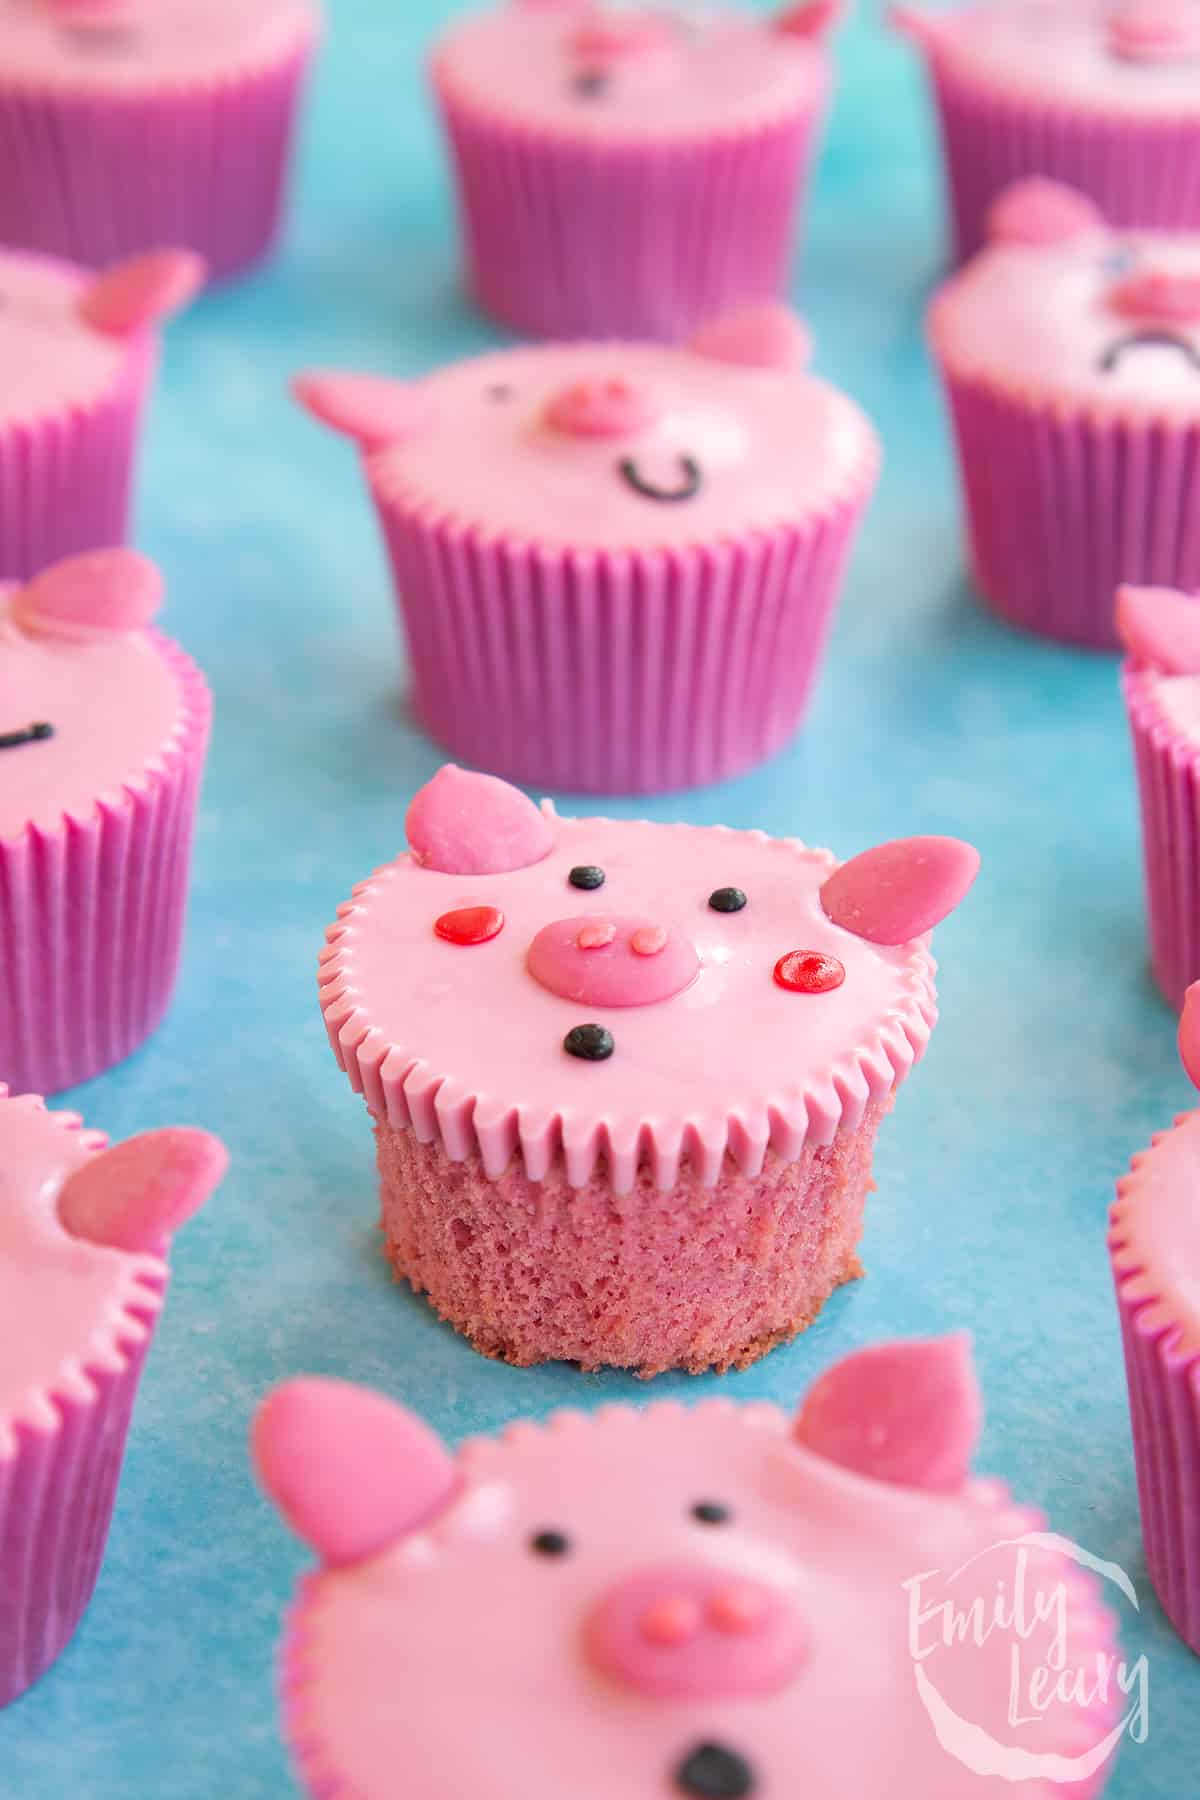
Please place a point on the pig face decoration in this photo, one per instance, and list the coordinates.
(705, 1602)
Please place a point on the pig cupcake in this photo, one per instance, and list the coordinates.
(77, 359)
(656, 1153)
(129, 123)
(1070, 354)
(103, 731)
(1102, 94)
(680, 1601)
(629, 171)
(616, 564)
(84, 1233)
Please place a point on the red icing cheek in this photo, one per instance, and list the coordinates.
(809, 972)
(600, 960)
(470, 924)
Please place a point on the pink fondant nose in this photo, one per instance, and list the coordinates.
(605, 407)
(1153, 31)
(1158, 296)
(611, 36)
(603, 959)
(681, 1632)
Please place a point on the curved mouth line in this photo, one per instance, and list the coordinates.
(1150, 339)
(688, 487)
(27, 734)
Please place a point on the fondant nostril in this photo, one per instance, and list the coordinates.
(608, 407)
(712, 1772)
(738, 1609)
(671, 1621)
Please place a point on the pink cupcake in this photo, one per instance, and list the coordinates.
(629, 171)
(129, 123)
(616, 564)
(78, 355)
(626, 1078)
(1070, 355)
(1100, 94)
(712, 1602)
(1155, 1255)
(103, 731)
(84, 1235)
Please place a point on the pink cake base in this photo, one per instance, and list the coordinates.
(565, 238)
(91, 918)
(1170, 805)
(1062, 508)
(688, 1277)
(615, 673)
(98, 177)
(1139, 173)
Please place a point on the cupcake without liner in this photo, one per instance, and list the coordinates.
(125, 124)
(616, 565)
(625, 1078)
(103, 732)
(1070, 355)
(84, 1235)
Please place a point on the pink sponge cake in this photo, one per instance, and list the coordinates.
(103, 732)
(630, 171)
(83, 1241)
(1070, 353)
(78, 355)
(1103, 94)
(711, 1603)
(626, 1077)
(616, 564)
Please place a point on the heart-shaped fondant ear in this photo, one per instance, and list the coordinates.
(768, 336)
(905, 1413)
(811, 19)
(133, 1196)
(1160, 627)
(1189, 1034)
(464, 823)
(132, 296)
(90, 595)
(371, 409)
(901, 890)
(351, 1472)
(1038, 211)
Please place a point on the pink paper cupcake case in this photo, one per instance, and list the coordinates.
(96, 177)
(1170, 806)
(1063, 506)
(568, 237)
(91, 915)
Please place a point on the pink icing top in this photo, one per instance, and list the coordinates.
(1155, 1235)
(49, 357)
(161, 41)
(621, 75)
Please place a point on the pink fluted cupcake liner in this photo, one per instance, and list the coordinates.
(96, 177)
(610, 672)
(1169, 793)
(566, 237)
(1062, 507)
(91, 915)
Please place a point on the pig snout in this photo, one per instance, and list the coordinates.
(610, 959)
(602, 407)
(690, 1633)
(1158, 297)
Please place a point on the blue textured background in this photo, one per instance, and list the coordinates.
(1054, 1059)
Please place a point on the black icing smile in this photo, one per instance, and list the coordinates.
(1152, 337)
(689, 486)
(27, 734)
(714, 1772)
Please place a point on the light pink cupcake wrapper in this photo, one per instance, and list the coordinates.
(97, 177)
(565, 237)
(1139, 172)
(1170, 805)
(1063, 507)
(91, 916)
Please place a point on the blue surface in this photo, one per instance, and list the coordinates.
(1053, 1061)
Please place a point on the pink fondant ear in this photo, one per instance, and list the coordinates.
(368, 408)
(1039, 211)
(906, 1413)
(351, 1472)
(1161, 628)
(99, 591)
(811, 19)
(136, 1194)
(770, 336)
(925, 29)
(898, 891)
(468, 824)
(1189, 1034)
(134, 295)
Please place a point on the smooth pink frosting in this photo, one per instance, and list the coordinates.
(1155, 1236)
(165, 41)
(716, 72)
(50, 359)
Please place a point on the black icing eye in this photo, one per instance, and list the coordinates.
(1119, 260)
(26, 734)
(500, 391)
(594, 1043)
(711, 1512)
(586, 875)
(727, 900)
(591, 84)
(550, 1543)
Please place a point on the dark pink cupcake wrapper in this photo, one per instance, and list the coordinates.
(1063, 506)
(566, 237)
(96, 177)
(1169, 793)
(91, 916)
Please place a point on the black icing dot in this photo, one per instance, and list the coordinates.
(550, 1543)
(591, 84)
(594, 1043)
(500, 390)
(586, 875)
(711, 1512)
(727, 899)
(26, 734)
(712, 1772)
